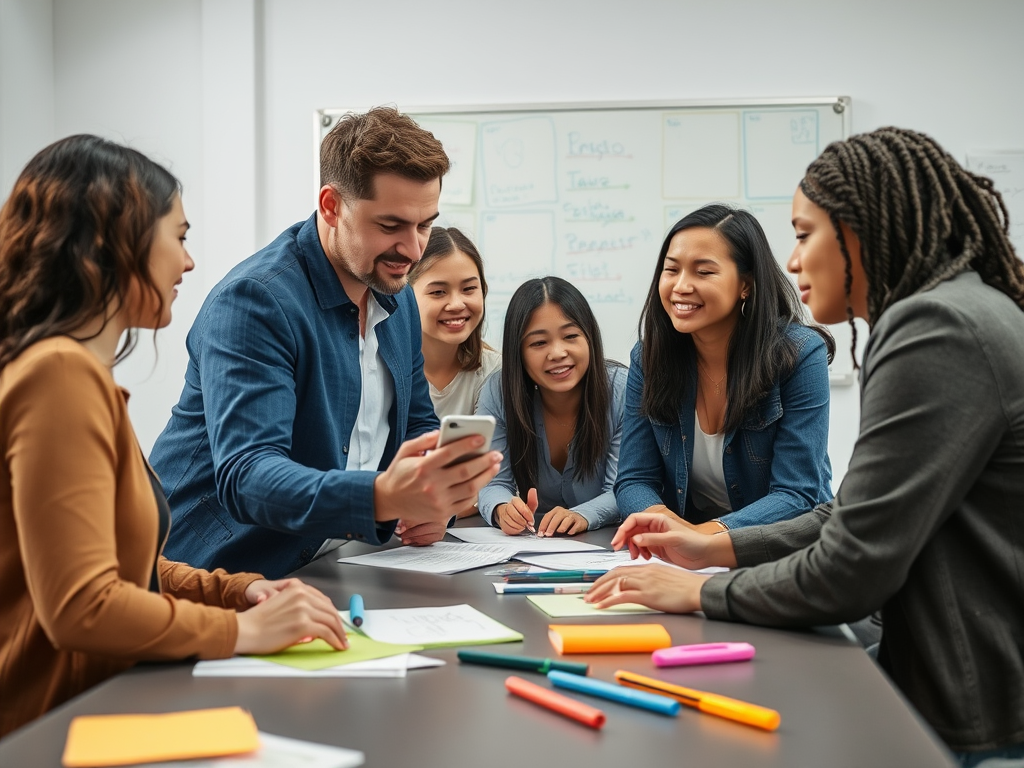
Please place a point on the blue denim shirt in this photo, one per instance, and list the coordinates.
(253, 457)
(591, 497)
(776, 464)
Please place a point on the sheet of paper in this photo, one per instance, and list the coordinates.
(435, 627)
(104, 740)
(597, 561)
(319, 655)
(564, 606)
(526, 542)
(244, 666)
(278, 752)
(442, 557)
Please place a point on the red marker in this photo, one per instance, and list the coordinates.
(556, 702)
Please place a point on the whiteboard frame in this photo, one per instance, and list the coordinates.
(841, 105)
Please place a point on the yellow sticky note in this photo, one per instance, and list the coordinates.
(103, 740)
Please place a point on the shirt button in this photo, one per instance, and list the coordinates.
(344, 449)
(352, 335)
(348, 535)
(729, 449)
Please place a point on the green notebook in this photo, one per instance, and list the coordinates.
(435, 626)
(319, 655)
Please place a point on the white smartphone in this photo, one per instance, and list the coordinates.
(457, 427)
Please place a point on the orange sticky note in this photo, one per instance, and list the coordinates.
(102, 740)
(608, 638)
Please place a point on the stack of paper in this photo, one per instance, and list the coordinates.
(246, 666)
(480, 547)
(598, 561)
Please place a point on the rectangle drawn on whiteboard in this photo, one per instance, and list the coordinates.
(519, 162)
(701, 157)
(459, 141)
(522, 242)
(777, 148)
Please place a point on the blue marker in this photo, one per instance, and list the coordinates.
(652, 701)
(355, 610)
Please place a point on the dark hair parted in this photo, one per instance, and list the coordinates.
(590, 440)
(760, 350)
(444, 242)
(920, 216)
(75, 234)
(380, 141)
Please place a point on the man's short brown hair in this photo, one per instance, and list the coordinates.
(380, 141)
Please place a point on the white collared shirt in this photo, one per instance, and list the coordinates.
(370, 432)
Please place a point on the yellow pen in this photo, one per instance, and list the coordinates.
(711, 703)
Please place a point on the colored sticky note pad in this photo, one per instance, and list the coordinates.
(319, 655)
(608, 638)
(564, 606)
(105, 740)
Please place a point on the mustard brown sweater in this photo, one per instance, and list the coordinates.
(78, 542)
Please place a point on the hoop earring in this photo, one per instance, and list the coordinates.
(743, 308)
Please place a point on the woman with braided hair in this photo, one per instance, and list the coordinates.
(928, 524)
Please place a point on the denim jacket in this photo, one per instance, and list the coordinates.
(253, 457)
(776, 464)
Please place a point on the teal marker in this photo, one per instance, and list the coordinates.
(355, 610)
(543, 666)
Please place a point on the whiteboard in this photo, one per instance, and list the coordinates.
(588, 191)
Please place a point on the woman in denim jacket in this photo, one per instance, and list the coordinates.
(727, 401)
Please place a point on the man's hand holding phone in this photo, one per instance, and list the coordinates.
(428, 482)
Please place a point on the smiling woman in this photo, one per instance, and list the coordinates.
(558, 407)
(450, 291)
(92, 246)
(727, 403)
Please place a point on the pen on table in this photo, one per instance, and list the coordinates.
(545, 589)
(522, 662)
(556, 702)
(711, 703)
(663, 705)
(355, 610)
(530, 578)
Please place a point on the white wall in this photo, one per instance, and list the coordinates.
(26, 84)
(224, 92)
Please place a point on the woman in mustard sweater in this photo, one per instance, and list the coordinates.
(92, 248)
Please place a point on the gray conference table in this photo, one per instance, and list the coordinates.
(838, 708)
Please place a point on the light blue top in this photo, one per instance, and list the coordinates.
(593, 497)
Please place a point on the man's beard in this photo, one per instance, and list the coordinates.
(381, 284)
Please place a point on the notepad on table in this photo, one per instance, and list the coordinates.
(564, 606)
(608, 638)
(107, 740)
(435, 626)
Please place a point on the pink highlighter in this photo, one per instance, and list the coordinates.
(704, 653)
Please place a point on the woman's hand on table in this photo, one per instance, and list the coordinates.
(287, 612)
(673, 540)
(655, 586)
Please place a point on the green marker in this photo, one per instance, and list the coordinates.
(543, 666)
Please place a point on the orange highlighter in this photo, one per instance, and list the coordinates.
(711, 703)
(556, 702)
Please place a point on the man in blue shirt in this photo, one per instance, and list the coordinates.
(305, 417)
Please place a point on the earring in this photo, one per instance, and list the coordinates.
(743, 308)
